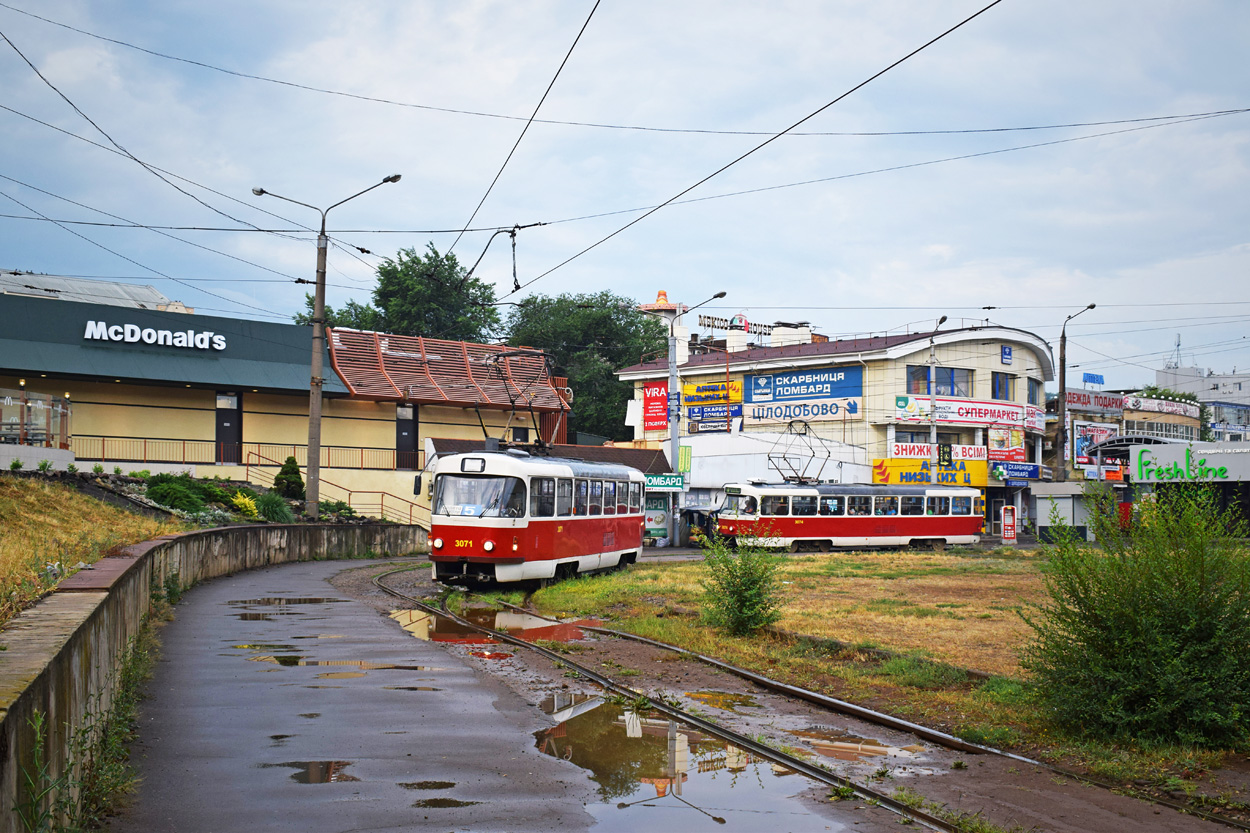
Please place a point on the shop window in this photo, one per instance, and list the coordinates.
(1037, 393)
(564, 498)
(1003, 386)
(803, 505)
(912, 504)
(859, 505)
(885, 505)
(543, 497)
(774, 505)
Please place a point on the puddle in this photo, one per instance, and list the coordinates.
(278, 740)
(321, 636)
(724, 701)
(340, 675)
(293, 660)
(444, 803)
(429, 785)
(523, 625)
(653, 773)
(843, 747)
(282, 601)
(311, 715)
(490, 654)
(269, 648)
(410, 688)
(316, 772)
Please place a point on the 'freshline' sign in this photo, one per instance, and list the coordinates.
(1150, 468)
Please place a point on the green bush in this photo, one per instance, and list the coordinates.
(15, 464)
(741, 593)
(1145, 637)
(288, 482)
(97, 469)
(45, 466)
(273, 508)
(335, 507)
(71, 468)
(176, 495)
(142, 474)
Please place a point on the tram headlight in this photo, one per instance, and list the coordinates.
(515, 545)
(489, 546)
(438, 543)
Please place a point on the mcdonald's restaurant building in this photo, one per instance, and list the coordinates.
(139, 388)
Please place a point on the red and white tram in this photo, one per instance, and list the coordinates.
(513, 516)
(820, 517)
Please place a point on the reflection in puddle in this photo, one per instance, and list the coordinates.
(843, 747)
(267, 647)
(438, 629)
(724, 701)
(281, 601)
(490, 654)
(645, 760)
(311, 715)
(293, 660)
(316, 772)
(443, 803)
(410, 688)
(340, 675)
(429, 785)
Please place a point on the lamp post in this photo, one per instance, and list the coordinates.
(1061, 432)
(312, 489)
(674, 404)
(933, 449)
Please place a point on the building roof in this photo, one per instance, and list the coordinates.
(85, 291)
(646, 460)
(823, 352)
(429, 371)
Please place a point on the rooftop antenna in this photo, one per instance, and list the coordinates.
(1174, 361)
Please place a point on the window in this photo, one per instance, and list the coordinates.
(832, 505)
(885, 505)
(543, 497)
(1037, 393)
(596, 497)
(635, 497)
(913, 504)
(803, 504)
(622, 498)
(520, 435)
(564, 497)
(922, 437)
(859, 505)
(480, 496)
(581, 497)
(918, 379)
(609, 497)
(1003, 386)
(954, 381)
(741, 504)
(961, 506)
(774, 505)
(938, 506)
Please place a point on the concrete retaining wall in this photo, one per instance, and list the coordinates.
(61, 657)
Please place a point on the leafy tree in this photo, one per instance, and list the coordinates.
(287, 482)
(589, 337)
(742, 592)
(429, 295)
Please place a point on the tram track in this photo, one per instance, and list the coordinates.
(843, 707)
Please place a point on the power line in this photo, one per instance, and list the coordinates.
(596, 125)
(254, 230)
(760, 146)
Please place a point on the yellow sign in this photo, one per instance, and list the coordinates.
(898, 472)
(711, 393)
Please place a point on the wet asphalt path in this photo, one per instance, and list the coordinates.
(279, 704)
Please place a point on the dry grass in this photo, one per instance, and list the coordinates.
(47, 523)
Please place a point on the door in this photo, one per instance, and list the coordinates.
(229, 427)
(406, 456)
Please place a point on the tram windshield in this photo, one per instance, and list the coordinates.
(740, 504)
(479, 496)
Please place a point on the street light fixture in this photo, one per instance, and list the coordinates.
(312, 488)
(1061, 432)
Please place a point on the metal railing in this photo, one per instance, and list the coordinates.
(206, 452)
(371, 502)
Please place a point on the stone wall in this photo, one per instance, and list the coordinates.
(61, 657)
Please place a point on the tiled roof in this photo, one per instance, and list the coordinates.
(646, 460)
(429, 371)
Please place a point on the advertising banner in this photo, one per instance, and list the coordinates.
(1006, 444)
(917, 473)
(1161, 406)
(1014, 471)
(923, 451)
(816, 410)
(699, 413)
(656, 515)
(708, 426)
(1085, 434)
(711, 393)
(1184, 463)
(970, 412)
(807, 385)
(1095, 402)
(655, 406)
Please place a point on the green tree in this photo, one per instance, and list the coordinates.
(429, 295)
(589, 337)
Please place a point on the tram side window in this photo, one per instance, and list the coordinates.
(774, 505)
(564, 498)
(938, 506)
(609, 497)
(913, 504)
(543, 497)
(581, 497)
(886, 505)
(859, 505)
(622, 498)
(596, 497)
(961, 506)
(635, 497)
(803, 504)
(835, 505)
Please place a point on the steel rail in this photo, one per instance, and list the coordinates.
(742, 741)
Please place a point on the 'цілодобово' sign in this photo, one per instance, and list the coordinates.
(1168, 464)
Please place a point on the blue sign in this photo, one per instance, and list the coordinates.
(702, 412)
(1006, 354)
(1016, 470)
(1016, 484)
(801, 385)
(1092, 379)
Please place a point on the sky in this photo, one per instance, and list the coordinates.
(1036, 159)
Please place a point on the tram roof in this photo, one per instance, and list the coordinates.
(849, 488)
(646, 460)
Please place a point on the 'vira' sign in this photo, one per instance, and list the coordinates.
(134, 334)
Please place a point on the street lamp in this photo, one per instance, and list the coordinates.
(1061, 433)
(312, 489)
(674, 404)
(933, 449)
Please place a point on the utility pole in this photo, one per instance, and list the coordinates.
(933, 449)
(1061, 432)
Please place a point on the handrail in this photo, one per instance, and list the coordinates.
(207, 452)
(399, 515)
